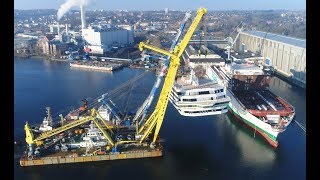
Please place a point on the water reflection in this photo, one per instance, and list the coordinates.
(254, 151)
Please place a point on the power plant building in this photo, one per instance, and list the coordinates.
(102, 39)
(286, 54)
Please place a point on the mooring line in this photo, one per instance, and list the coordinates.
(301, 126)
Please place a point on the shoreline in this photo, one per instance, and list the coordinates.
(44, 58)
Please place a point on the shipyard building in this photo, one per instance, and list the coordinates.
(201, 56)
(286, 54)
(102, 39)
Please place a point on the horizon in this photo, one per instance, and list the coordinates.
(178, 5)
(75, 9)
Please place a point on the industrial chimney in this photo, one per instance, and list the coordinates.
(83, 17)
(66, 28)
(58, 26)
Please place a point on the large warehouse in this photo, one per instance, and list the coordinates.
(101, 39)
(286, 54)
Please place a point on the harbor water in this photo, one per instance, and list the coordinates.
(211, 147)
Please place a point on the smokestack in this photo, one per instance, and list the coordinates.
(58, 28)
(83, 17)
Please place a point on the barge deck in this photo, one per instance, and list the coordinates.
(70, 157)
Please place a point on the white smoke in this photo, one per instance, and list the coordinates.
(65, 7)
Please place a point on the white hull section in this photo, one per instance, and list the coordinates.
(201, 109)
(84, 144)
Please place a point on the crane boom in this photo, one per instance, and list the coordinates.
(30, 137)
(143, 110)
(156, 118)
(231, 41)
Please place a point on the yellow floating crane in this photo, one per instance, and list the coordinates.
(155, 119)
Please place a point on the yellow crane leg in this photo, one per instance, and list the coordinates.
(105, 134)
(164, 103)
(29, 134)
(148, 131)
(62, 129)
(101, 119)
(150, 119)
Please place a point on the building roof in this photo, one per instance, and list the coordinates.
(280, 38)
(206, 60)
(246, 69)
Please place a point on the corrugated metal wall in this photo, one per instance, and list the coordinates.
(289, 60)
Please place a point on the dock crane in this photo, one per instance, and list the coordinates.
(231, 41)
(156, 118)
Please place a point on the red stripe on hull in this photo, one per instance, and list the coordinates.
(273, 143)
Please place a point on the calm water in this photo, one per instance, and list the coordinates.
(212, 147)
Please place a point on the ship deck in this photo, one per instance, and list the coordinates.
(265, 100)
(77, 156)
(203, 83)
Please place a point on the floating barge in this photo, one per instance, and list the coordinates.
(96, 65)
(74, 142)
(70, 157)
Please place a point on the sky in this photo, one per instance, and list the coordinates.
(170, 4)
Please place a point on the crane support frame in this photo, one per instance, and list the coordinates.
(31, 140)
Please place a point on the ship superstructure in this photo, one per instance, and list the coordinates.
(192, 96)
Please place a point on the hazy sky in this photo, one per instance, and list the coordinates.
(171, 4)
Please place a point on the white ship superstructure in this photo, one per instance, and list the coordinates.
(198, 97)
(93, 137)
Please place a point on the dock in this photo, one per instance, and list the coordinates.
(96, 65)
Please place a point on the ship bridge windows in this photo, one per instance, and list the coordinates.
(177, 92)
(220, 97)
(205, 111)
(204, 92)
(218, 91)
(189, 100)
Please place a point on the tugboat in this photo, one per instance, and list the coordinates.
(47, 122)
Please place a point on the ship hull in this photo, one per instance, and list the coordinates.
(259, 127)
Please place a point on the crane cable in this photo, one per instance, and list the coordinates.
(302, 126)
